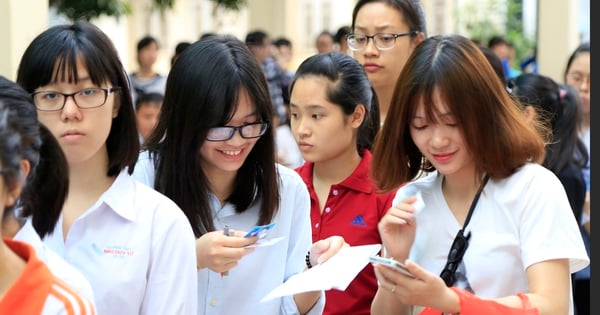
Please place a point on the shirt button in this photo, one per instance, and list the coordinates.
(317, 225)
(335, 192)
(213, 302)
(327, 209)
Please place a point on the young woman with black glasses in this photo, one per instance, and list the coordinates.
(133, 244)
(213, 153)
(384, 33)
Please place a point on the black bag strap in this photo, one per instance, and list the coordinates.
(475, 200)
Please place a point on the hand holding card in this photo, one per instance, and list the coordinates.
(260, 230)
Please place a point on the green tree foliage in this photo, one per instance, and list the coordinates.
(480, 26)
(163, 5)
(234, 5)
(89, 9)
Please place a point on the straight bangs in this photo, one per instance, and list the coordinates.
(53, 56)
(427, 92)
(499, 137)
(48, 60)
(65, 68)
(460, 73)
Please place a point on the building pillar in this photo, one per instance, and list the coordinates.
(16, 32)
(557, 36)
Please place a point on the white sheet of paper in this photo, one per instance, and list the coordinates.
(266, 242)
(335, 273)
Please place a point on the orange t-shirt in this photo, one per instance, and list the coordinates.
(38, 291)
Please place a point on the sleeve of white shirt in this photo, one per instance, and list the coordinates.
(172, 278)
(547, 227)
(295, 198)
(144, 169)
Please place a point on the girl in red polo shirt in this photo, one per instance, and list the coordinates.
(334, 119)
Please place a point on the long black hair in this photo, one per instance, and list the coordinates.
(202, 92)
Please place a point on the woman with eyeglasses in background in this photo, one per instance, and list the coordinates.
(132, 243)
(384, 34)
(578, 75)
(213, 153)
(493, 231)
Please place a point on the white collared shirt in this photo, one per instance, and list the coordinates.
(267, 267)
(136, 248)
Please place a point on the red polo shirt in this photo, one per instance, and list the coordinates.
(353, 210)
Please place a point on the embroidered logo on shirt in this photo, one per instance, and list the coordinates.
(358, 220)
(114, 251)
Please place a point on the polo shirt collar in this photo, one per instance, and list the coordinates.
(358, 180)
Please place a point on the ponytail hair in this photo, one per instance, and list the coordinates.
(368, 130)
(349, 87)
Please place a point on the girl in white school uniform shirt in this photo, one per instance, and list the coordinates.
(132, 243)
(213, 153)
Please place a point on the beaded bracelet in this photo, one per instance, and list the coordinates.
(307, 259)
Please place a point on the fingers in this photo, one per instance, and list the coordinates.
(322, 250)
(420, 272)
(337, 242)
(386, 283)
(402, 213)
(220, 253)
(388, 275)
(226, 266)
(237, 241)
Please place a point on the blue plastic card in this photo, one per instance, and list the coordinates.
(260, 230)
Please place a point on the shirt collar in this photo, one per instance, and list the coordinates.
(120, 196)
(358, 180)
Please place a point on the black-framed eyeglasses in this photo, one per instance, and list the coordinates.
(51, 101)
(247, 131)
(383, 41)
(457, 251)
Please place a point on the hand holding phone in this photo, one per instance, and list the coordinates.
(391, 262)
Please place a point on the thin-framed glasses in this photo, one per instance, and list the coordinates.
(7, 174)
(577, 78)
(383, 41)
(457, 251)
(247, 131)
(51, 101)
